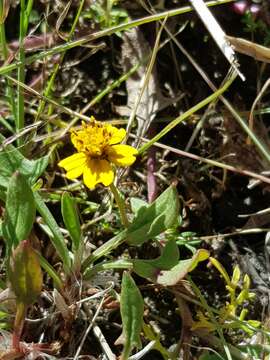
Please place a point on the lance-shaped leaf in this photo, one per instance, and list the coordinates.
(57, 239)
(150, 269)
(12, 160)
(131, 307)
(20, 210)
(24, 273)
(152, 220)
(71, 219)
(178, 272)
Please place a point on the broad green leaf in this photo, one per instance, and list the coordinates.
(136, 204)
(12, 160)
(58, 240)
(152, 220)
(131, 307)
(149, 269)
(24, 273)
(71, 219)
(178, 272)
(2, 194)
(20, 210)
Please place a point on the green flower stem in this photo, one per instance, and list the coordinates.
(121, 205)
(18, 324)
(223, 343)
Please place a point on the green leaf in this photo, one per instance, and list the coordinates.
(136, 204)
(131, 307)
(2, 194)
(178, 272)
(255, 350)
(58, 240)
(208, 356)
(71, 219)
(12, 160)
(48, 268)
(20, 210)
(149, 269)
(24, 273)
(154, 219)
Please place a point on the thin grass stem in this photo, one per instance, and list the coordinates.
(102, 33)
(3, 42)
(21, 74)
(57, 66)
(188, 113)
(121, 205)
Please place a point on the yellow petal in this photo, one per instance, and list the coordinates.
(97, 171)
(105, 172)
(117, 135)
(74, 165)
(90, 176)
(122, 155)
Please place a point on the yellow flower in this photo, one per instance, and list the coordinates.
(98, 149)
(203, 322)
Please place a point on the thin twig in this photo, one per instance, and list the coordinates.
(103, 343)
(210, 162)
(88, 329)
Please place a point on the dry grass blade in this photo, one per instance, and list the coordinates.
(246, 47)
(210, 162)
(6, 7)
(145, 123)
(217, 33)
(91, 324)
(258, 98)
(50, 101)
(61, 19)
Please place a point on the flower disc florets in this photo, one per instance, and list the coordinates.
(97, 148)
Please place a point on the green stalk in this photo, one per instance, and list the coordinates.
(106, 91)
(51, 272)
(21, 75)
(3, 121)
(104, 249)
(73, 27)
(3, 42)
(257, 142)
(57, 66)
(121, 205)
(108, 265)
(105, 32)
(24, 20)
(212, 317)
(58, 240)
(115, 84)
(18, 324)
(27, 14)
(188, 113)
(242, 122)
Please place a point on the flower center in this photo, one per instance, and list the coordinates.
(93, 139)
